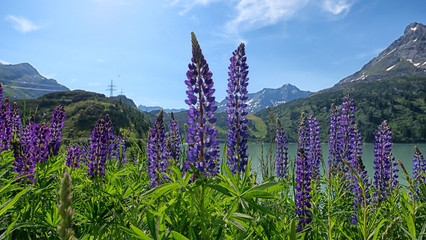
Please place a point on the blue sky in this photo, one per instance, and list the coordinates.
(144, 46)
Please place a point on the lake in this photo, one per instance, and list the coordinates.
(402, 151)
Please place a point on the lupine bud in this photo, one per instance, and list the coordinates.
(203, 147)
(65, 230)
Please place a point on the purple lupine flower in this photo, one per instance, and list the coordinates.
(359, 200)
(174, 141)
(16, 119)
(99, 148)
(203, 146)
(303, 178)
(237, 112)
(23, 164)
(359, 168)
(74, 157)
(333, 140)
(385, 172)
(56, 126)
(39, 142)
(156, 152)
(419, 165)
(346, 135)
(6, 126)
(120, 150)
(315, 153)
(282, 151)
(109, 129)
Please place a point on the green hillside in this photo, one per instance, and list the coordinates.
(401, 101)
(83, 109)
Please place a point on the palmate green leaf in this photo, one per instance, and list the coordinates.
(241, 215)
(263, 186)
(238, 224)
(178, 236)
(9, 204)
(261, 208)
(222, 189)
(231, 177)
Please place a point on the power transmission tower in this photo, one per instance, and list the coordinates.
(111, 88)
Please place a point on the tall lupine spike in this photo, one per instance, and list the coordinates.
(359, 200)
(174, 141)
(333, 140)
(419, 165)
(56, 125)
(39, 143)
(16, 119)
(120, 150)
(74, 157)
(1, 92)
(23, 163)
(345, 134)
(315, 148)
(99, 149)
(282, 151)
(384, 164)
(156, 152)
(360, 171)
(236, 110)
(303, 179)
(6, 126)
(65, 230)
(203, 146)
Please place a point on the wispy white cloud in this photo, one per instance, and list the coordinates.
(337, 7)
(252, 14)
(21, 24)
(189, 4)
(99, 60)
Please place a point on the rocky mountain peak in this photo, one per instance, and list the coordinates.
(406, 56)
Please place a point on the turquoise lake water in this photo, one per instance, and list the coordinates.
(404, 152)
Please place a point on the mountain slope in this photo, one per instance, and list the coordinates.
(404, 57)
(269, 97)
(23, 81)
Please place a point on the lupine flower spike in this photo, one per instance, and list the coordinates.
(174, 141)
(303, 179)
(156, 152)
(56, 126)
(99, 148)
(74, 157)
(282, 151)
(236, 110)
(385, 172)
(315, 153)
(203, 147)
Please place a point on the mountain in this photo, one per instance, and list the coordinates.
(83, 109)
(157, 108)
(269, 97)
(391, 87)
(404, 57)
(122, 98)
(23, 81)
